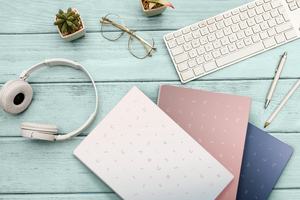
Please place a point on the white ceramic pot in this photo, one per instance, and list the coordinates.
(153, 12)
(76, 35)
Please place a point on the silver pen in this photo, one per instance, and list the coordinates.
(276, 78)
(282, 103)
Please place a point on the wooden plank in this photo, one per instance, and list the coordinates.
(69, 105)
(34, 16)
(42, 167)
(276, 195)
(111, 61)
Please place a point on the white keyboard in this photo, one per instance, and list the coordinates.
(222, 40)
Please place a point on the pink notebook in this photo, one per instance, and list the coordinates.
(217, 121)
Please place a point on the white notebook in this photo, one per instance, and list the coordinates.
(142, 154)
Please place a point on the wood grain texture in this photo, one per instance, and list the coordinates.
(68, 105)
(42, 167)
(14, 15)
(18, 52)
(41, 170)
(276, 195)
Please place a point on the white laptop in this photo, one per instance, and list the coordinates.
(142, 154)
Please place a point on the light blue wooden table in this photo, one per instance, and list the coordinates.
(41, 170)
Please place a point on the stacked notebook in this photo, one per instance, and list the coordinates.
(191, 147)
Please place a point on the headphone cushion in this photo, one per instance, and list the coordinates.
(39, 131)
(9, 92)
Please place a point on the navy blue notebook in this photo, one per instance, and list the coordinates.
(264, 160)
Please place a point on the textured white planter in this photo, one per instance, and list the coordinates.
(76, 35)
(153, 12)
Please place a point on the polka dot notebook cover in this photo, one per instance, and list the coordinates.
(142, 154)
(217, 121)
(264, 159)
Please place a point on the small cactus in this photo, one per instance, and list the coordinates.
(68, 22)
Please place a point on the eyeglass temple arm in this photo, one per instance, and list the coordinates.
(127, 30)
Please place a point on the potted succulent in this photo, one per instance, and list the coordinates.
(69, 24)
(154, 7)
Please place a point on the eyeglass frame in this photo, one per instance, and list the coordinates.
(131, 33)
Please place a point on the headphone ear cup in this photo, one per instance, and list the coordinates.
(15, 96)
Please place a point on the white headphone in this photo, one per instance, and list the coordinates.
(16, 96)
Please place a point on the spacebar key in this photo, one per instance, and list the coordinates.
(241, 53)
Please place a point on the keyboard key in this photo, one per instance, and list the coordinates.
(196, 34)
(211, 37)
(200, 60)
(259, 10)
(244, 52)
(224, 50)
(269, 42)
(283, 27)
(186, 75)
(267, 7)
(210, 66)
(198, 70)
(279, 20)
(217, 44)
(193, 53)
(255, 38)
(220, 25)
(192, 63)
(263, 35)
(219, 34)
(210, 21)
(208, 57)
(216, 54)
(248, 41)
(202, 24)
(228, 22)
(280, 38)
(177, 33)
(204, 31)
(194, 27)
(186, 30)
(231, 47)
(236, 19)
(180, 40)
(208, 47)
(240, 35)
(169, 36)
(200, 50)
(177, 50)
(240, 44)
(203, 40)
(212, 28)
(271, 32)
(275, 3)
(188, 37)
(224, 41)
(187, 46)
(182, 66)
(290, 34)
(181, 57)
(195, 43)
(172, 44)
(226, 15)
(219, 18)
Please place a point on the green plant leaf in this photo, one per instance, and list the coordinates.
(69, 23)
(59, 21)
(64, 28)
(60, 11)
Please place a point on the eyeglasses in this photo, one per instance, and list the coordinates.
(140, 45)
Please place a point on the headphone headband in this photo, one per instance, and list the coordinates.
(69, 63)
